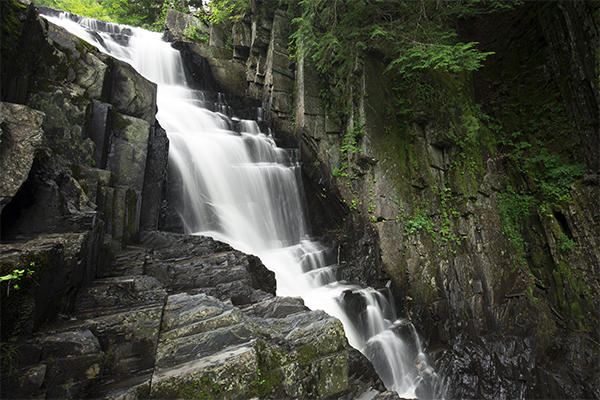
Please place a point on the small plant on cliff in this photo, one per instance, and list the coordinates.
(565, 243)
(420, 221)
(14, 277)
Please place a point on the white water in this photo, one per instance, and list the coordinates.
(241, 189)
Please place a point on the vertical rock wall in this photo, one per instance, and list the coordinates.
(83, 160)
(433, 199)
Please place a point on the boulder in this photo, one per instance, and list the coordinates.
(120, 292)
(185, 262)
(132, 94)
(181, 26)
(208, 376)
(21, 136)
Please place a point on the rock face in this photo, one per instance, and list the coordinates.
(95, 302)
(485, 246)
(97, 118)
(21, 138)
(77, 131)
(479, 219)
(148, 332)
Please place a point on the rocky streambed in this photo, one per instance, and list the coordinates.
(186, 317)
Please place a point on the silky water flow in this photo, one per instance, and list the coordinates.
(240, 188)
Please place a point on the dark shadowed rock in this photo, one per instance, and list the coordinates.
(49, 201)
(154, 179)
(21, 136)
(100, 131)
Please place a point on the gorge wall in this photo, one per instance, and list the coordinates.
(473, 197)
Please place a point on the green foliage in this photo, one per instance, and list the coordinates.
(420, 221)
(227, 10)
(565, 243)
(16, 275)
(195, 34)
(351, 140)
(87, 8)
(514, 208)
(148, 14)
(553, 177)
(413, 35)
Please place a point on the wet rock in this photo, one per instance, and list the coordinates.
(154, 178)
(210, 264)
(49, 201)
(29, 384)
(130, 140)
(73, 377)
(211, 374)
(21, 136)
(186, 314)
(88, 70)
(194, 325)
(61, 263)
(119, 209)
(66, 344)
(128, 338)
(100, 131)
(132, 94)
(68, 110)
(120, 292)
(277, 307)
(360, 367)
(23, 52)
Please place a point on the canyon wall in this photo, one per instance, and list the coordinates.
(473, 196)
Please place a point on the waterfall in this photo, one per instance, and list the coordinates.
(240, 188)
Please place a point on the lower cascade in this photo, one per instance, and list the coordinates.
(240, 188)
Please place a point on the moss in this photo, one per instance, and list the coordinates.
(11, 26)
(306, 355)
(77, 173)
(112, 180)
(269, 374)
(201, 389)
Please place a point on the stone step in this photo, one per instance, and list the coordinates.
(120, 292)
(130, 261)
(127, 387)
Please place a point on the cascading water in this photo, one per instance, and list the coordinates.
(239, 187)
